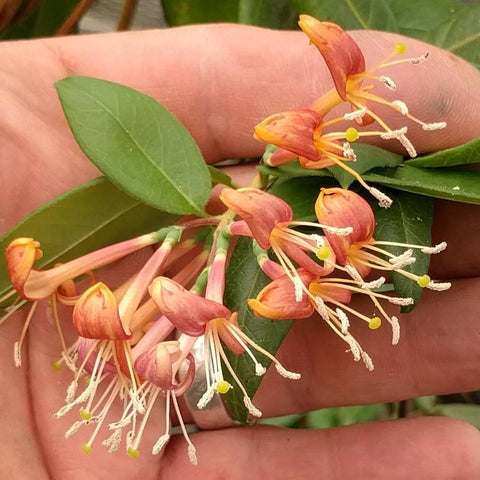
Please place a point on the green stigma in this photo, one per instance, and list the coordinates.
(223, 387)
(374, 323)
(133, 452)
(86, 448)
(423, 281)
(323, 253)
(351, 134)
(56, 365)
(400, 48)
(84, 414)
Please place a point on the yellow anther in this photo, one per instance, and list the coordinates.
(56, 365)
(351, 134)
(223, 387)
(84, 414)
(87, 381)
(374, 323)
(133, 452)
(400, 48)
(423, 281)
(323, 253)
(86, 448)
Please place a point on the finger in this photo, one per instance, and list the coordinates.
(219, 80)
(437, 354)
(441, 448)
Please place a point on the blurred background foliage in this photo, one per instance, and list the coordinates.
(451, 24)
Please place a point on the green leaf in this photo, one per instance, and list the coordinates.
(219, 177)
(287, 421)
(268, 13)
(185, 12)
(408, 220)
(467, 413)
(368, 157)
(426, 404)
(86, 218)
(450, 24)
(451, 157)
(301, 194)
(244, 280)
(341, 416)
(448, 183)
(138, 144)
(43, 21)
(291, 170)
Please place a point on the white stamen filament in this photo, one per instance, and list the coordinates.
(163, 440)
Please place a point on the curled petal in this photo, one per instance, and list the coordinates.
(184, 384)
(84, 346)
(341, 54)
(226, 335)
(96, 315)
(20, 256)
(187, 311)
(260, 210)
(292, 131)
(278, 299)
(325, 289)
(281, 156)
(338, 208)
(323, 162)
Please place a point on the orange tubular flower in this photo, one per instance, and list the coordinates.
(269, 220)
(359, 252)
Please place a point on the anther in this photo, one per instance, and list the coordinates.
(420, 59)
(435, 249)
(252, 409)
(407, 144)
(434, 126)
(368, 361)
(373, 284)
(393, 134)
(355, 114)
(259, 370)
(348, 152)
(345, 323)
(401, 106)
(388, 82)
(395, 330)
(298, 285)
(286, 373)
(439, 287)
(161, 442)
(192, 454)
(384, 201)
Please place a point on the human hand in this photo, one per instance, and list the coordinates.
(220, 81)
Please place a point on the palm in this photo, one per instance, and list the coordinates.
(437, 353)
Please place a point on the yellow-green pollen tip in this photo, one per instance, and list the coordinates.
(87, 381)
(84, 414)
(351, 134)
(423, 281)
(374, 323)
(133, 452)
(323, 253)
(56, 365)
(86, 448)
(223, 387)
(400, 48)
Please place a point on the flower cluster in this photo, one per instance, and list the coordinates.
(136, 341)
(306, 134)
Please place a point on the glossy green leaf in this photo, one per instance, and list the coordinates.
(138, 144)
(450, 24)
(451, 157)
(301, 194)
(448, 183)
(268, 13)
(219, 177)
(460, 411)
(291, 170)
(86, 218)
(185, 12)
(244, 280)
(368, 157)
(43, 21)
(408, 220)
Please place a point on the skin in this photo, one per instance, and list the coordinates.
(220, 81)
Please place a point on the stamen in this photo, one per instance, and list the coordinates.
(367, 361)
(388, 82)
(320, 307)
(420, 59)
(434, 126)
(355, 114)
(435, 249)
(384, 201)
(401, 106)
(393, 134)
(403, 260)
(298, 285)
(352, 271)
(345, 323)
(75, 428)
(402, 301)
(17, 355)
(160, 443)
(319, 240)
(207, 397)
(259, 370)
(252, 409)
(192, 454)
(373, 284)
(348, 152)
(353, 347)
(286, 373)
(408, 146)
(113, 441)
(439, 287)
(395, 330)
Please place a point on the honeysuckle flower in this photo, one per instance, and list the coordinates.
(358, 252)
(301, 134)
(346, 63)
(269, 220)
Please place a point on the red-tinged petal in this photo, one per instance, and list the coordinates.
(261, 210)
(187, 311)
(270, 268)
(188, 378)
(281, 156)
(96, 315)
(292, 131)
(299, 256)
(366, 119)
(339, 208)
(240, 227)
(226, 335)
(84, 346)
(323, 162)
(278, 300)
(20, 256)
(341, 54)
(325, 289)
